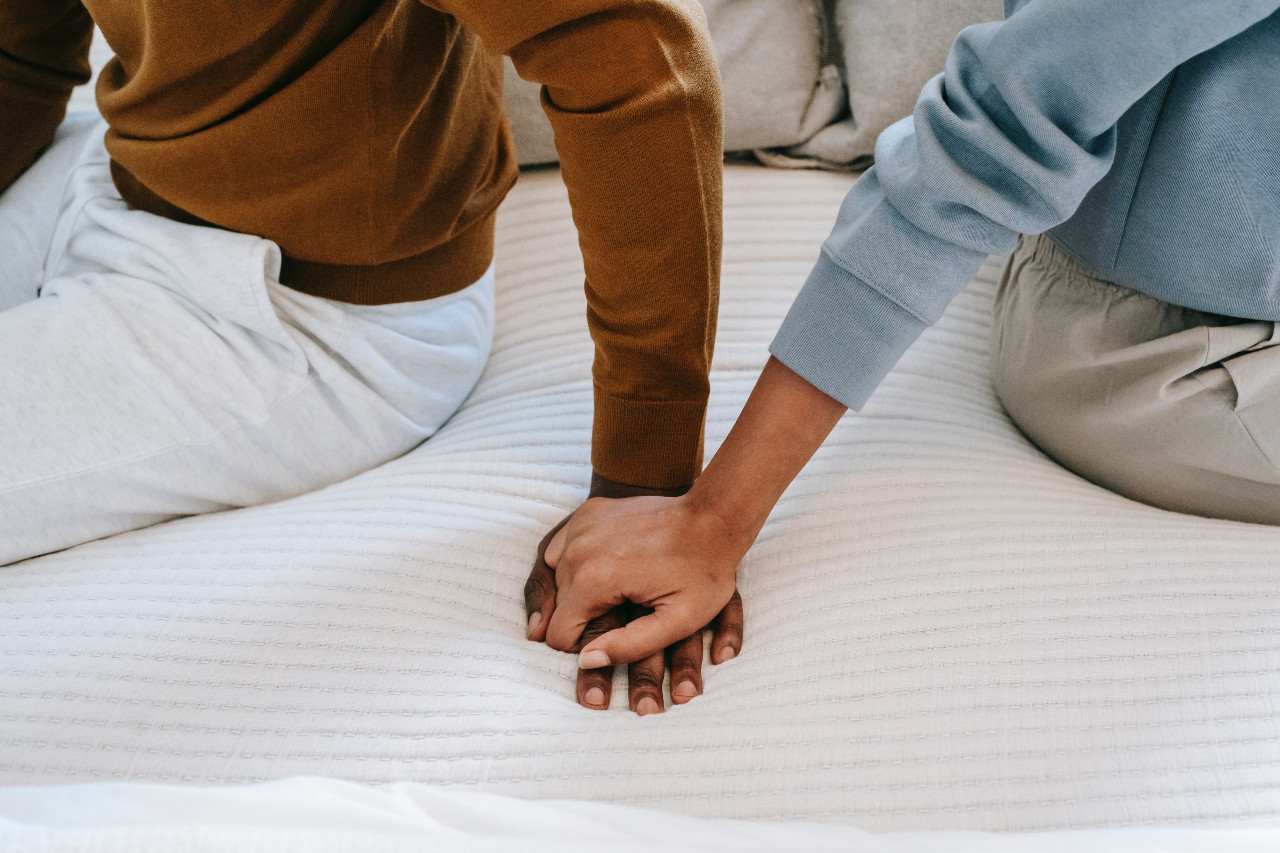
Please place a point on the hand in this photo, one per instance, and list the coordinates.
(677, 556)
(645, 677)
(666, 555)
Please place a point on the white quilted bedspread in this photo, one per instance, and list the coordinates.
(945, 630)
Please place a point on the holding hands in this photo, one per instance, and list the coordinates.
(660, 553)
(634, 571)
(635, 580)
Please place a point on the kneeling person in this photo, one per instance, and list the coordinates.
(269, 268)
(1135, 330)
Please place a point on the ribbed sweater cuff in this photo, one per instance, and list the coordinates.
(650, 443)
(842, 335)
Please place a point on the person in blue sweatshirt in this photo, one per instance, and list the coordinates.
(1135, 147)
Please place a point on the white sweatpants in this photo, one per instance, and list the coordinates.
(150, 369)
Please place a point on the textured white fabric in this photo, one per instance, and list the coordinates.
(163, 371)
(945, 630)
(318, 815)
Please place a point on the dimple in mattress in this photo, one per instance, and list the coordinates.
(945, 629)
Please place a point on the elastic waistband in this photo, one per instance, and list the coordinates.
(1041, 248)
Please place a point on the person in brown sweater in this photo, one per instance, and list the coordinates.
(360, 148)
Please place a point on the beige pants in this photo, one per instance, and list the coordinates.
(1166, 405)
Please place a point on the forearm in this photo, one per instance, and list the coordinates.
(680, 557)
(603, 487)
(1009, 140)
(782, 425)
(637, 127)
(632, 91)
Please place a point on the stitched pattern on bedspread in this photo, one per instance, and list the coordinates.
(945, 630)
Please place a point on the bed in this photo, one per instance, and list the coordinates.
(946, 632)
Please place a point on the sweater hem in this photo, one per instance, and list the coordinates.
(438, 271)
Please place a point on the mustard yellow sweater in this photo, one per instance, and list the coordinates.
(366, 138)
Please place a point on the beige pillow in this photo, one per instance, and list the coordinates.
(776, 90)
(891, 49)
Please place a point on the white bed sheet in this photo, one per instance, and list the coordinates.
(944, 629)
(319, 815)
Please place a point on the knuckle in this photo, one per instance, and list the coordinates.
(644, 678)
(573, 558)
(560, 637)
(593, 678)
(729, 628)
(686, 660)
(731, 616)
(644, 684)
(585, 569)
(686, 669)
(537, 588)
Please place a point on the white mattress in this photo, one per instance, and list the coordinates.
(945, 630)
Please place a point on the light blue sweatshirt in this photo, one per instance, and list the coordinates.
(1142, 135)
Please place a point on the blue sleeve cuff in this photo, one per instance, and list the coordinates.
(842, 335)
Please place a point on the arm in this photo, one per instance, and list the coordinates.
(1008, 140)
(44, 54)
(633, 95)
(632, 92)
(680, 556)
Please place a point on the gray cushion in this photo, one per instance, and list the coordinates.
(776, 91)
(891, 49)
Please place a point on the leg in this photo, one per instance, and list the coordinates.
(29, 208)
(1159, 403)
(162, 372)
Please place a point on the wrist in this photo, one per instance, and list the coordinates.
(603, 487)
(730, 513)
(783, 423)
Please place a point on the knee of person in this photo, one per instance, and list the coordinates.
(1162, 461)
(1072, 430)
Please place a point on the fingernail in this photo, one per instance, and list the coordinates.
(727, 653)
(648, 705)
(595, 696)
(593, 659)
(684, 691)
(535, 622)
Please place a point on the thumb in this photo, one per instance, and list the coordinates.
(639, 639)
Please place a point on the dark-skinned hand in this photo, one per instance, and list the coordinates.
(644, 677)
